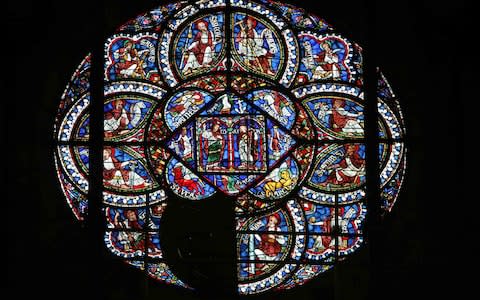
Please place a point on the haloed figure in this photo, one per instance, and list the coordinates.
(275, 142)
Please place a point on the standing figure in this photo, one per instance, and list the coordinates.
(134, 179)
(247, 145)
(345, 121)
(183, 144)
(323, 113)
(251, 45)
(275, 143)
(241, 106)
(327, 225)
(212, 142)
(229, 183)
(322, 243)
(200, 51)
(327, 63)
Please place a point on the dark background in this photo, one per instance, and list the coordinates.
(421, 48)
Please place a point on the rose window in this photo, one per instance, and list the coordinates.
(253, 102)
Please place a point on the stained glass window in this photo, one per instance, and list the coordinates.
(257, 101)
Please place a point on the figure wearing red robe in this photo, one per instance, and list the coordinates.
(116, 119)
(327, 63)
(342, 120)
(349, 169)
(321, 59)
(201, 43)
(276, 146)
(130, 220)
(112, 166)
(200, 51)
(270, 244)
